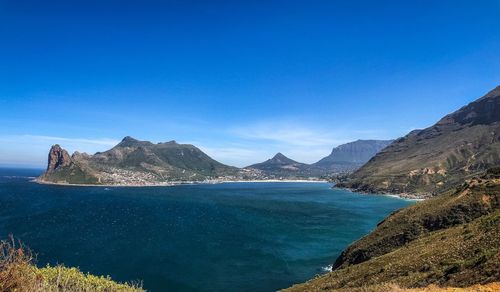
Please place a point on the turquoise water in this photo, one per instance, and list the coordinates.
(224, 237)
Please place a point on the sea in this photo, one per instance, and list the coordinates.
(250, 236)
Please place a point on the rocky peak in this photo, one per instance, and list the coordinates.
(129, 139)
(483, 111)
(279, 156)
(132, 142)
(77, 155)
(57, 157)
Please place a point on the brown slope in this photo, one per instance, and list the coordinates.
(425, 162)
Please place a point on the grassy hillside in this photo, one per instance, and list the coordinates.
(473, 199)
(460, 256)
(451, 240)
(18, 273)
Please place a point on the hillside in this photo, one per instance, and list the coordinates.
(134, 162)
(281, 166)
(351, 156)
(426, 162)
(449, 240)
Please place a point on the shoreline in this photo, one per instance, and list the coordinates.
(402, 196)
(176, 183)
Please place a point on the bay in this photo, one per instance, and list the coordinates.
(220, 237)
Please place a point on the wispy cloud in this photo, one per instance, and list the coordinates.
(289, 133)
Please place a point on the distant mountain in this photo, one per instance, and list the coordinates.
(425, 162)
(134, 162)
(344, 158)
(351, 156)
(280, 165)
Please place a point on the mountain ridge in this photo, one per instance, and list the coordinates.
(428, 161)
(352, 155)
(343, 158)
(136, 162)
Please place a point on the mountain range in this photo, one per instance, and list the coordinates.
(343, 158)
(426, 162)
(135, 162)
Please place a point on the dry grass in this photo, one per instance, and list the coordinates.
(18, 273)
(491, 287)
(460, 256)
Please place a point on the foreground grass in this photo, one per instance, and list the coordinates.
(18, 273)
(491, 287)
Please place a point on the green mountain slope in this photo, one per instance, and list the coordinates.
(426, 162)
(134, 162)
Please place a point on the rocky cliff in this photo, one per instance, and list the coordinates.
(58, 157)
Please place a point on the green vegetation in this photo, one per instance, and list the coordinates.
(73, 174)
(18, 273)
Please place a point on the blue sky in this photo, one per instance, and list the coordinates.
(240, 79)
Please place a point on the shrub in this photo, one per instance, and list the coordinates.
(18, 273)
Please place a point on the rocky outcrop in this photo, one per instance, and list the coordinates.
(58, 157)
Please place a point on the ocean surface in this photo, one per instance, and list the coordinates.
(222, 237)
